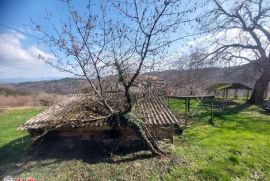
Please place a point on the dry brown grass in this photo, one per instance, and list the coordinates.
(41, 99)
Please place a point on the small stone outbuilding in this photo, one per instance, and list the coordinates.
(82, 116)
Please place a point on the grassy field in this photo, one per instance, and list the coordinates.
(13, 142)
(236, 148)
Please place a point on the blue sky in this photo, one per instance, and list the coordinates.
(19, 51)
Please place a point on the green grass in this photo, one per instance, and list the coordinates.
(236, 148)
(13, 143)
(10, 120)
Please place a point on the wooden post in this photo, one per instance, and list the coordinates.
(247, 94)
(188, 105)
(227, 90)
(212, 113)
(172, 141)
(266, 92)
(185, 111)
(223, 93)
(235, 95)
(172, 133)
(185, 105)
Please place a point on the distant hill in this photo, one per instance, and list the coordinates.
(204, 77)
(23, 79)
(62, 86)
(176, 78)
(9, 92)
(210, 75)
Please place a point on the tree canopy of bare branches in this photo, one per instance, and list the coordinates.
(120, 39)
(191, 64)
(241, 33)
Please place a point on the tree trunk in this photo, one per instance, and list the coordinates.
(261, 84)
(131, 120)
(140, 128)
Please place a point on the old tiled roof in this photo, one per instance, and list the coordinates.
(81, 110)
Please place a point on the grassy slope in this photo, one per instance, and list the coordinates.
(236, 148)
(13, 142)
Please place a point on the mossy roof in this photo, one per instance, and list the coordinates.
(82, 110)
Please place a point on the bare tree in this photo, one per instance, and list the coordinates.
(191, 64)
(119, 40)
(241, 34)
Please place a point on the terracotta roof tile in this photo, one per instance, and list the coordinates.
(81, 110)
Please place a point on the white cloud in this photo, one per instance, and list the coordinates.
(208, 43)
(17, 60)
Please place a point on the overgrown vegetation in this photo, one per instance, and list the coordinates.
(38, 99)
(9, 92)
(236, 148)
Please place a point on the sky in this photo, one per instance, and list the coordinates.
(19, 49)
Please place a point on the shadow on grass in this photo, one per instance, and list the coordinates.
(238, 117)
(233, 118)
(265, 113)
(221, 102)
(237, 108)
(15, 159)
(12, 152)
(221, 108)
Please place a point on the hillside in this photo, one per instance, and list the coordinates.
(62, 86)
(200, 78)
(9, 92)
(204, 77)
